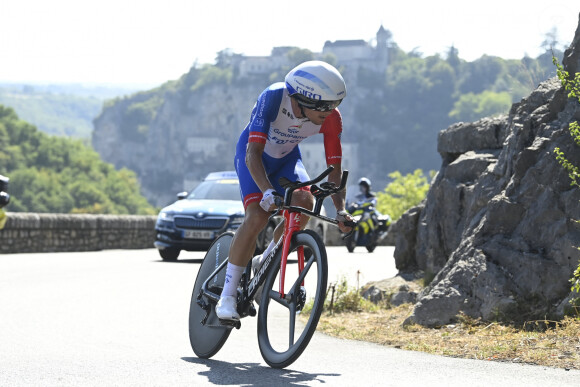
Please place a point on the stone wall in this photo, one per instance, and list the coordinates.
(30, 232)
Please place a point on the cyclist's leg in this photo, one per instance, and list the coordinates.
(244, 241)
(293, 169)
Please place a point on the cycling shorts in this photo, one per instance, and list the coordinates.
(289, 166)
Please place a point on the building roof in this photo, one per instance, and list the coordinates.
(345, 43)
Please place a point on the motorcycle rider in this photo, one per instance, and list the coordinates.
(367, 200)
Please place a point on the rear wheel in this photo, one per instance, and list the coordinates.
(169, 254)
(207, 339)
(282, 336)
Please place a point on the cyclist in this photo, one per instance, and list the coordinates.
(284, 114)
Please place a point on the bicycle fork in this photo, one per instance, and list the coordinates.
(292, 225)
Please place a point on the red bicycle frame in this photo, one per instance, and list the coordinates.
(292, 219)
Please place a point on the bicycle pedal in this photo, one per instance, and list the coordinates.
(231, 323)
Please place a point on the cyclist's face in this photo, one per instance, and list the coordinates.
(316, 117)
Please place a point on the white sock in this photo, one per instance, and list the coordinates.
(233, 276)
(268, 250)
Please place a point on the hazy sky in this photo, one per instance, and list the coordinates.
(148, 42)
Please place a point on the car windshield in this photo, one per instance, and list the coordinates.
(225, 189)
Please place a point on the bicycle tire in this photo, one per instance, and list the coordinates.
(315, 264)
(206, 340)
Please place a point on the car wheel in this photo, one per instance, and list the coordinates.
(169, 254)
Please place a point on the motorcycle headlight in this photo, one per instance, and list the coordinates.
(166, 216)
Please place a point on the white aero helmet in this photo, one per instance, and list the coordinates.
(316, 85)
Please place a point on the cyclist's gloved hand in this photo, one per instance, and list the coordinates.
(345, 221)
(268, 202)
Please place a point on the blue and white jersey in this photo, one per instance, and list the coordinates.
(273, 123)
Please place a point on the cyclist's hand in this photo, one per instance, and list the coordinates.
(268, 202)
(342, 217)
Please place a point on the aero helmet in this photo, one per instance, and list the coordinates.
(316, 85)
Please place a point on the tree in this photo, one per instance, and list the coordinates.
(62, 175)
(471, 107)
(403, 193)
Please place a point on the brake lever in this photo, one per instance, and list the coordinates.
(279, 202)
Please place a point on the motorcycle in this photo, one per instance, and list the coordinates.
(371, 227)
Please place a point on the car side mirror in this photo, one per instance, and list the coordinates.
(181, 195)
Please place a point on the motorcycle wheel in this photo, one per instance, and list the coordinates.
(371, 248)
(350, 243)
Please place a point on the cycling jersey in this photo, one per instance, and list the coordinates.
(273, 123)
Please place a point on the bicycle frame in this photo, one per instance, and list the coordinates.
(292, 217)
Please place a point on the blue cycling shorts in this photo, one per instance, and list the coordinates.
(289, 166)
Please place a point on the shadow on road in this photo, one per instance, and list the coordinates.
(192, 260)
(251, 374)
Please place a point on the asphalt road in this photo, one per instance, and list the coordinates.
(119, 318)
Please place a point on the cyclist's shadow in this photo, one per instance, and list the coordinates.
(252, 374)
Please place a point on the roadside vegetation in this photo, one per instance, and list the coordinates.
(544, 342)
(572, 86)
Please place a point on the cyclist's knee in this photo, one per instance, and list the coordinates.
(255, 218)
(303, 199)
(306, 200)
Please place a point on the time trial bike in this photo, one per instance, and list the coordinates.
(284, 295)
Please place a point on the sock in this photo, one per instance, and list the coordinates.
(268, 250)
(233, 276)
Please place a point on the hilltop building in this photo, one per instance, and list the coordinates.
(350, 54)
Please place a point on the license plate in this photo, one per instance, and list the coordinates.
(197, 234)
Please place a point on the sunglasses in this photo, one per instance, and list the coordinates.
(319, 106)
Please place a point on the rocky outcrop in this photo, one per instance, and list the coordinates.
(497, 227)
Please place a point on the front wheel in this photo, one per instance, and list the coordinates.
(282, 336)
(206, 334)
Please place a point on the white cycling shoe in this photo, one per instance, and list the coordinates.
(255, 266)
(226, 308)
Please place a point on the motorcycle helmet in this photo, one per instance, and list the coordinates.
(316, 85)
(365, 182)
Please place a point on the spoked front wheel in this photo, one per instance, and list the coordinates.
(206, 334)
(282, 334)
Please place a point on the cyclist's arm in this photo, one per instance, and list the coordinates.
(256, 166)
(338, 198)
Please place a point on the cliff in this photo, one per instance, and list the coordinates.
(497, 229)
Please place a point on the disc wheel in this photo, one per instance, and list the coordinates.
(207, 339)
(282, 336)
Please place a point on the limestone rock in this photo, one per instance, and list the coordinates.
(497, 227)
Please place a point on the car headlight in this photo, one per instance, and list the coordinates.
(167, 216)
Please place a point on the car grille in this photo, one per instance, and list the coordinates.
(206, 224)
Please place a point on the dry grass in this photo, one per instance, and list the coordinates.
(558, 346)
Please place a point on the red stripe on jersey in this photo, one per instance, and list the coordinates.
(258, 137)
